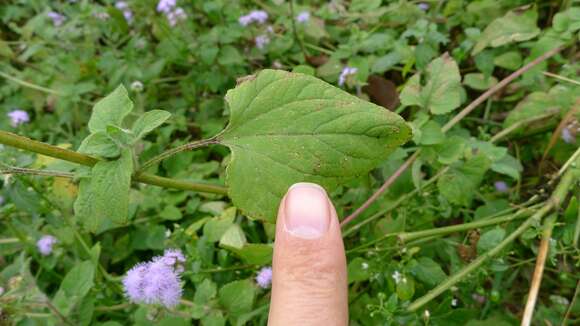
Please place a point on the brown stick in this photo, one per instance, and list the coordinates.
(538, 272)
(472, 106)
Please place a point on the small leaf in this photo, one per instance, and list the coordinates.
(428, 272)
(105, 195)
(101, 145)
(110, 110)
(479, 81)
(490, 239)
(431, 134)
(149, 121)
(287, 128)
(256, 254)
(442, 92)
(237, 297)
(406, 288)
(508, 165)
(75, 285)
(233, 238)
(461, 181)
(123, 138)
(358, 270)
(513, 27)
(215, 228)
(204, 292)
(171, 213)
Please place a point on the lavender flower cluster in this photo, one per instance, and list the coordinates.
(18, 117)
(345, 73)
(45, 244)
(255, 16)
(173, 13)
(264, 277)
(124, 7)
(57, 19)
(157, 281)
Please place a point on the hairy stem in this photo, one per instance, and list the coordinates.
(28, 144)
(173, 151)
(29, 85)
(538, 271)
(472, 106)
(46, 173)
(295, 31)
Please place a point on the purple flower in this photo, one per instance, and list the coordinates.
(45, 244)
(303, 17)
(345, 73)
(255, 16)
(264, 277)
(57, 19)
(567, 135)
(501, 186)
(166, 6)
(124, 7)
(176, 16)
(261, 41)
(423, 6)
(157, 281)
(18, 117)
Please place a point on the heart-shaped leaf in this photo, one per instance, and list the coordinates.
(288, 127)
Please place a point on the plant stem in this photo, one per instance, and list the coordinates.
(47, 173)
(577, 230)
(555, 200)
(549, 74)
(29, 85)
(449, 282)
(173, 151)
(538, 271)
(571, 305)
(522, 123)
(295, 31)
(472, 106)
(28, 144)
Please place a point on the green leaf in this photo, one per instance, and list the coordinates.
(74, 287)
(287, 128)
(515, 26)
(110, 110)
(535, 104)
(233, 237)
(358, 270)
(490, 239)
(460, 182)
(442, 92)
(149, 121)
(171, 213)
(237, 297)
(406, 288)
(217, 227)
(479, 81)
(430, 134)
(123, 138)
(101, 145)
(428, 272)
(508, 165)
(105, 195)
(510, 60)
(256, 254)
(204, 292)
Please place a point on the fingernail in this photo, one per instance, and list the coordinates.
(307, 211)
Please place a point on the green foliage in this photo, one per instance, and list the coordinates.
(95, 82)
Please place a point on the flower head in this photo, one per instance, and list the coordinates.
(166, 6)
(264, 277)
(345, 73)
(261, 41)
(303, 17)
(45, 244)
(124, 7)
(57, 19)
(176, 16)
(137, 86)
(18, 117)
(255, 16)
(423, 6)
(157, 281)
(501, 186)
(567, 135)
(398, 277)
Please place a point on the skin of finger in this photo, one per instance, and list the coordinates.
(309, 284)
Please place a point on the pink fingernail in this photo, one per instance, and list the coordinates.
(307, 211)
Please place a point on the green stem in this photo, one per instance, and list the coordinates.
(295, 31)
(28, 144)
(173, 151)
(555, 200)
(46, 173)
(522, 123)
(29, 85)
(449, 282)
(577, 230)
